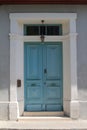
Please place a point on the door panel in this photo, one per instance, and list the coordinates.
(33, 77)
(43, 77)
(53, 77)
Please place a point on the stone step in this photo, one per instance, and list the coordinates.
(37, 119)
(56, 114)
(44, 129)
(45, 123)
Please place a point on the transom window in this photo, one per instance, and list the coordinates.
(43, 30)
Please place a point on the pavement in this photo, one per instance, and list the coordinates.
(44, 124)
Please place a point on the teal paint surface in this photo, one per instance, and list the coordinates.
(43, 76)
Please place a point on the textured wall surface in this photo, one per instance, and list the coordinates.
(81, 46)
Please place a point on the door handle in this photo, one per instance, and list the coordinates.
(45, 71)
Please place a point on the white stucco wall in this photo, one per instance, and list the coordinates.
(5, 50)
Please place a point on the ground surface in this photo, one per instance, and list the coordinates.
(44, 124)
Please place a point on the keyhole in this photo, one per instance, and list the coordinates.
(45, 71)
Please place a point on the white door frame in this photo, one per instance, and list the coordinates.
(69, 40)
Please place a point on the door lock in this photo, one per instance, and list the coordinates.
(45, 71)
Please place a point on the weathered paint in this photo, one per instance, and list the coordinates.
(43, 77)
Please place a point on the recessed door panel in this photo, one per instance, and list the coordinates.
(52, 61)
(33, 62)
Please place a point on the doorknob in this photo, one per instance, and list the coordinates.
(45, 71)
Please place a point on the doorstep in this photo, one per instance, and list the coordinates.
(54, 123)
(42, 116)
(42, 119)
(45, 123)
(45, 113)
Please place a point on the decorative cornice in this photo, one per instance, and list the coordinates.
(43, 2)
(29, 38)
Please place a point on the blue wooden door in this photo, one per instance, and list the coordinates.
(43, 77)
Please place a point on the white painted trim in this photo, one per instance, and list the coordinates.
(37, 38)
(7, 102)
(69, 40)
(40, 16)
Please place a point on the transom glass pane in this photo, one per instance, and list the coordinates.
(43, 30)
(32, 30)
(53, 30)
